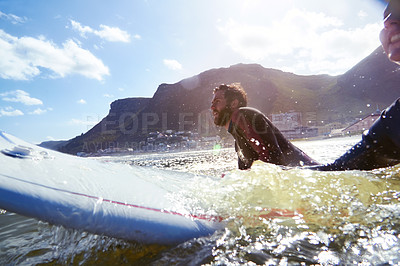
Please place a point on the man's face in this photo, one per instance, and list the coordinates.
(220, 109)
(390, 34)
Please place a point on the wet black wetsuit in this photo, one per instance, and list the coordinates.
(256, 138)
(379, 147)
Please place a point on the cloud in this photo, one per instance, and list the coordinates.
(106, 95)
(111, 34)
(9, 111)
(12, 18)
(81, 101)
(302, 40)
(172, 64)
(22, 58)
(362, 14)
(38, 111)
(297, 29)
(82, 122)
(20, 96)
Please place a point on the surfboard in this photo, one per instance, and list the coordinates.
(112, 199)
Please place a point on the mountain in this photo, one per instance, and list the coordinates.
(53, 144)
(185, 105)
(372, 84)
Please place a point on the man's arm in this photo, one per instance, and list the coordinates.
(379, 147)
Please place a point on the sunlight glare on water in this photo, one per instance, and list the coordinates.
(337, 216)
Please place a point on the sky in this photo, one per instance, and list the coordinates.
(63, 62)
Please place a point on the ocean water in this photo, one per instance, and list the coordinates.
(335, 218)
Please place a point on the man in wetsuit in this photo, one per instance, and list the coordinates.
(380, 145)
(256, 138)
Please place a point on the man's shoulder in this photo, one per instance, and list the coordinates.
(393, 108)
(249, 110)
(246, 114)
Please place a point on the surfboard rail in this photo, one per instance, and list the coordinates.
(36, 182)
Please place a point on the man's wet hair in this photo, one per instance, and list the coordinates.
(233, 91)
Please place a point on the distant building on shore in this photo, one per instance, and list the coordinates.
(287, 121)
(300, 132)
(290, 124)
(363, 124)
(333, 129)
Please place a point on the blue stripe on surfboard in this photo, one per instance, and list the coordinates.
(200, 217)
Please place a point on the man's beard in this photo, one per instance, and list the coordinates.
(223, 116)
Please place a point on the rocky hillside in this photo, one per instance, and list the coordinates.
(372, 83)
